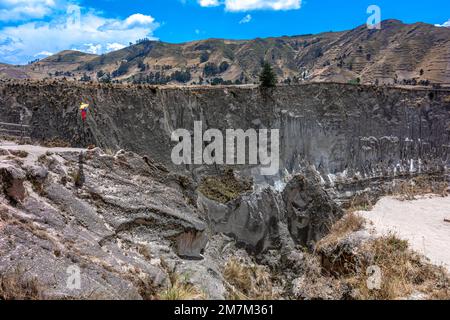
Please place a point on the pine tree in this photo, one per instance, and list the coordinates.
(268, 78)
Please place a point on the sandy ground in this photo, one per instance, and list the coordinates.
(421, 222)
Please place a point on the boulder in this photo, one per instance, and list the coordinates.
(252, 219)
(12, 179)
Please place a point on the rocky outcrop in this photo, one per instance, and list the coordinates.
(267, 219)
(310, 211)
(12, 179)
(131, 218)
(253, 219)
(115, 227)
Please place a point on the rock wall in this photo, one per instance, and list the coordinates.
(343, 130)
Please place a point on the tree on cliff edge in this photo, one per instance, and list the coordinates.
(268, 78)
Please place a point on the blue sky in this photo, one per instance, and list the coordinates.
(31, 29)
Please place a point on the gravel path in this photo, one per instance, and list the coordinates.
(35, 149)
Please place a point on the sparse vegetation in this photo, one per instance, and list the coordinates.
(355, 81)
(77, 178)
(351, 222)
(248, 281)
(224, 188)
(410, 189)
(122, 70)
(14, 285)
(404, 272)
(179, 287)
(204, 57)
(210, 69)
(181, 76)
(224, 66)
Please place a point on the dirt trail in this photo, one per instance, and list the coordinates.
(6, 145)
(421, 222)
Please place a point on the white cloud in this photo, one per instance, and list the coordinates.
(246, 19)
(88, 31)
(91, 48)
(248, 5)
(445, 24)
(18, 10)
(114, 46)
(134, 21)
(43, 54)
(209, 3)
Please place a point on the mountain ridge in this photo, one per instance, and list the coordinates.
(399, 53)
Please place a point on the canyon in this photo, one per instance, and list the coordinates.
(105, 195)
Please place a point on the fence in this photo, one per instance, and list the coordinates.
(16, 130)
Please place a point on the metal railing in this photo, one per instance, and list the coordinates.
(18, 130)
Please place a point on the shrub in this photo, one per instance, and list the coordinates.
(181, 76)
(224, 67)
(204, 57)
(210, 69)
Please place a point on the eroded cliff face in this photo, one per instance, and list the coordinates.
(343, 130)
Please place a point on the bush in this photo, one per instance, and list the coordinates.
(210, 69)
(204, 57)
(355, 81)
(224, 67)
(181, 76)
(123, 69)
(217, 81)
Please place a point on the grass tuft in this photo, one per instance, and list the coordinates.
(179, 287)
(14, 286)
(248, 282)
(351, 222)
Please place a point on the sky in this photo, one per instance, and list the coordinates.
(34, 29)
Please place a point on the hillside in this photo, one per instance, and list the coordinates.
(398, 53)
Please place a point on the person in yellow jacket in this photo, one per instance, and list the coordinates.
(84, 107)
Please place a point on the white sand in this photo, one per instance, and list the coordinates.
(421, 222)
